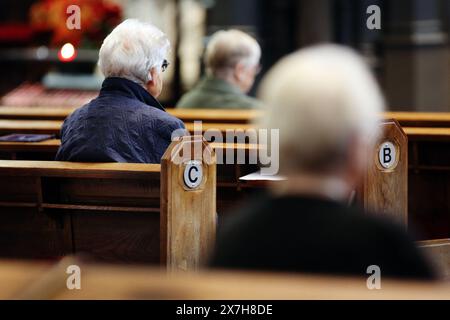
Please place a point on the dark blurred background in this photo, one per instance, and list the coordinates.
(409, 54)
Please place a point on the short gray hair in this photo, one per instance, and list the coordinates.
(132, 49)
(320, 98)
(228, 48)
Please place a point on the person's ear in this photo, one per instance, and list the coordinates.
(238, 72)
(153, 76)
(153, 85)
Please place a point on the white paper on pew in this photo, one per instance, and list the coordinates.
(257, 176)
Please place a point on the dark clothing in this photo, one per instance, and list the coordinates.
(123, 124)
(312, 235)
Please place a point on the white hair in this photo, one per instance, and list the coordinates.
(320, 98)
(132, 49)
(228, 48)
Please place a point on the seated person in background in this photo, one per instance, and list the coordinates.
(232, 63)
(125, 123)
(326, 105)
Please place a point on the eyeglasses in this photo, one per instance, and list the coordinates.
(165, 65)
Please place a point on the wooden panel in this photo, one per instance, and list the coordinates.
(35, 113)
(54, 126)
(428, 134)
(113, 192)
(216, 115)
(121, 221)
(117, 236)
(188, 215)
(79, 169)
(429, 203)
(186, 115)
(31, 233)
(30, 126)
(385, 190)
(24, 189)
(429, 192)
(25, 231)
(420, 119)
(406, 119)
(51, 146)
(438, 251)
(110, 211)
(25, 280)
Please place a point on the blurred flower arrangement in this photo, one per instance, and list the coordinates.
(98, 18)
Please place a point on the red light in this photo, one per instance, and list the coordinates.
(67, 53)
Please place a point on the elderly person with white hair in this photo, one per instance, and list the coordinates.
(232, 63)
(326, 106)
(125, 123)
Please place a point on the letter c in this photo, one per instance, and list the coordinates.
(190, 175)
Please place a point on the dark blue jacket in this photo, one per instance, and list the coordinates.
(123, 124)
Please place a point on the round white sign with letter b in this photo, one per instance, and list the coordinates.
(387, 155)
(193, 174)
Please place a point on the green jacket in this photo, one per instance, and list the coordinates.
(214, 93)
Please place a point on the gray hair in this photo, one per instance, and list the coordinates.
(132, 49)
(228, 48)
(320, 98)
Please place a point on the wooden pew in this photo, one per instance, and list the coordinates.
(406, 119)
(428, 134)
(43, 150)
(421, 119)
(186, 115)
(429, 180)
(30, 126)
(429, 175)
(30, 280)
(113, 211)
(227, 175)
(438, 252)
(34, 113)
(394, 180)
(50, 147)
(385, 186)
(54, 126)
(373, 200)
(384, 189)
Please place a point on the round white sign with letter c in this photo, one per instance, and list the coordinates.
(193, 174)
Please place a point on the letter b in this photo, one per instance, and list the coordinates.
(387, 157)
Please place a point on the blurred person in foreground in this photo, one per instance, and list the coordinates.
(326, 105)
(232, 63)
(125, 123)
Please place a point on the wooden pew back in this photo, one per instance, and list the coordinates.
(111, 211)
(26, 280)
(186, 115)
(385, 186)
(384, 189)
(406, 119)
(53, 127)
(438, 253)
